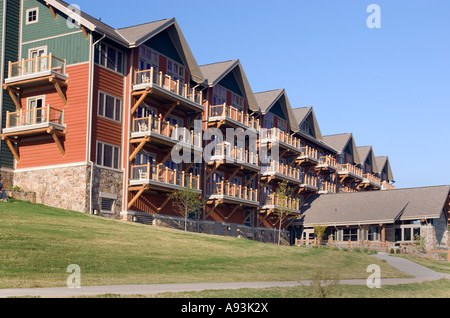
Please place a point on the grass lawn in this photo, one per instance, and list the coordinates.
(38, 243)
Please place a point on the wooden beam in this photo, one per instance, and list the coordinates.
(251, 179)
(164, 204)
(189, 167)
(248, 216)
(58, 143)
(193, 121)
(213, 169)
(140, 100)
(172, 107)
(84, 32)
(216, 204)
(234, 174)
(14, 98)
(51, 10)
(136, 197)
(232, 212)
(139, 148)
(166, 157)
(13, 150)
(60, 92)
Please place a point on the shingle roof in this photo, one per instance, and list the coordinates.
(302, 114)
(374, 207)
(136, 33)
(383, 162)
(340, 141)
(366, 151)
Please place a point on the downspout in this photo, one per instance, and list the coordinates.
(89, 128)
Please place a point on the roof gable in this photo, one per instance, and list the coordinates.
(307, 120)
(341, 142)
(366, 154)
(216, 72)
(383, 164)
(230, 83)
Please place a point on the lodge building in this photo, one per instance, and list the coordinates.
(92, 117)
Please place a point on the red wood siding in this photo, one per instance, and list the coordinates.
(42, 151)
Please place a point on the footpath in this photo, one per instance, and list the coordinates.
(420, 273)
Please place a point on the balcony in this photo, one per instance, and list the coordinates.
(26, 73)
(233, 194)
(285, 141)
(385, 185)
(309, 183)
(349, 170)
(160, 178)
(166, 90)
(225, 114)
(281, 171)
(327, 164)
(308, 156)
(371, 181)
(32, 122)
(273, 202)
(226, 154)
(164, 133)
(326, 187)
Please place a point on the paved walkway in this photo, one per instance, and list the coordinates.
(420, 273)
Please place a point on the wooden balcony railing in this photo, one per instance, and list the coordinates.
(350, 169)
(163, 174)
(36, 65)
(236, 153)
(288, 203)
(385, 185)
(309, 152)
(164, 128)
(233, 190)
(34, 116)
(327, 161)
(278, 135)
(165, 81)
(372, 179)
(327, 187)
(234, 114)
(283, 169)
(309, 180)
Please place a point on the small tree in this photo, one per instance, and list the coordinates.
(185, 201)
(319, 231)
(282, 193)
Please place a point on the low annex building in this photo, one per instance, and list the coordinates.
(392, 217)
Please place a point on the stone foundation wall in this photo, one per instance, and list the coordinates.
(108, 184)
(64, 187)
(7, 178)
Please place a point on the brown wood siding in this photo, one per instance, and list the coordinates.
(42, 151)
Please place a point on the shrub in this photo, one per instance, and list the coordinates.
(356, 249)
(366, 250)
(323, 284)
(345, 249)
(391, 251)
(335, 249)
(373, 251)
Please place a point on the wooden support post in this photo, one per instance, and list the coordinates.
(14, 98)
(166, 157)
(216, 204)
(251, 179)
(51, 10)
(234, 174)
(139, 147)
(58, 143)
(84, 32)
(232, 212)
(193, 121)
(136, 197)
(248, 216)
(213, 169)
(164, 204)
(13, 150)
(172, 107)
(59, 90)
(140, 100)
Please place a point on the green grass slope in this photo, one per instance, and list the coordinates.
(38, 243)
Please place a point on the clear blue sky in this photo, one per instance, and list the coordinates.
(390, 87)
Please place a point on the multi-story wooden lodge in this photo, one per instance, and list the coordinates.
(111, 121)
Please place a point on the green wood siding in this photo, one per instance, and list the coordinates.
(74, 48)
(10, 52)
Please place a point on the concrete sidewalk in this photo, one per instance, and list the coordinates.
(420, 273)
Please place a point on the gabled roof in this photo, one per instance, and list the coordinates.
(136, 35)
(266, 100)
(215, 72)
(366, 152)
(340, 142)
(383, 162)
(375, 207)
(307, 113)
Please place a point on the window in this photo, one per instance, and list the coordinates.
(237, 102)
(32, 16)
(351, 234)
(108, 155)
(219, 95)
(374, 234)
(38, 104)
(111, 58)
(269, 121)
(175, 70)
(282, 124)
(109, 107)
